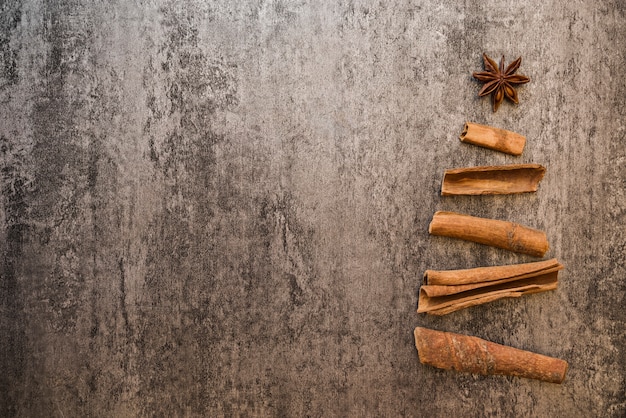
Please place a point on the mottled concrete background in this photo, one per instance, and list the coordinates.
(220, 208)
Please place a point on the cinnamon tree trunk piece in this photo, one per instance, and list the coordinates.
(503, 179)
(501, 234)
(463, 353)
(493, 138)
(448, 291)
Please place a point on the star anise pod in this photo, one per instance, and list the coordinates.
(500, 82)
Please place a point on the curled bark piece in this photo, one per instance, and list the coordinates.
(493, 138)
(479, 275)
(503, 179)
(463, 353)
(447, 291)
(501, 234)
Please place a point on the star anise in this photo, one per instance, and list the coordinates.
(499, 82)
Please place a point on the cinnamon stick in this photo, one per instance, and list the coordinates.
(503, 179)
(448, 291)
(493, 138)
(501, 234)
(463, 353)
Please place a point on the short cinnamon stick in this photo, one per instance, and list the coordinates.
(463, 353)
(493, 138)
(501, 234)
(448, 291)
(503, 179)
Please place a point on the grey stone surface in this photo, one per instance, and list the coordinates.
(221, 208)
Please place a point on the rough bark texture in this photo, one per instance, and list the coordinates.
(497, 233)
(493, 138)
(221, 208)
(464, 353)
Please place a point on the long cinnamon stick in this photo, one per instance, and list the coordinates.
(501, 234)
(503, 179)
(493, 138)
(463, 353)
(448, 291)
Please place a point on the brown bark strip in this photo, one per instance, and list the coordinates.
(493, 138)
(463, 353)
(489, 274)
(501, 234)
(504, 179)
(471, 287)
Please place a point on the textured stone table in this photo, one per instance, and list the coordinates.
(221, 208)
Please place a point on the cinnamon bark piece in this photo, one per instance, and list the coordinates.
(448, 291)
(501, 234)
(501, 179)
(493, 138)
(464, 353)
